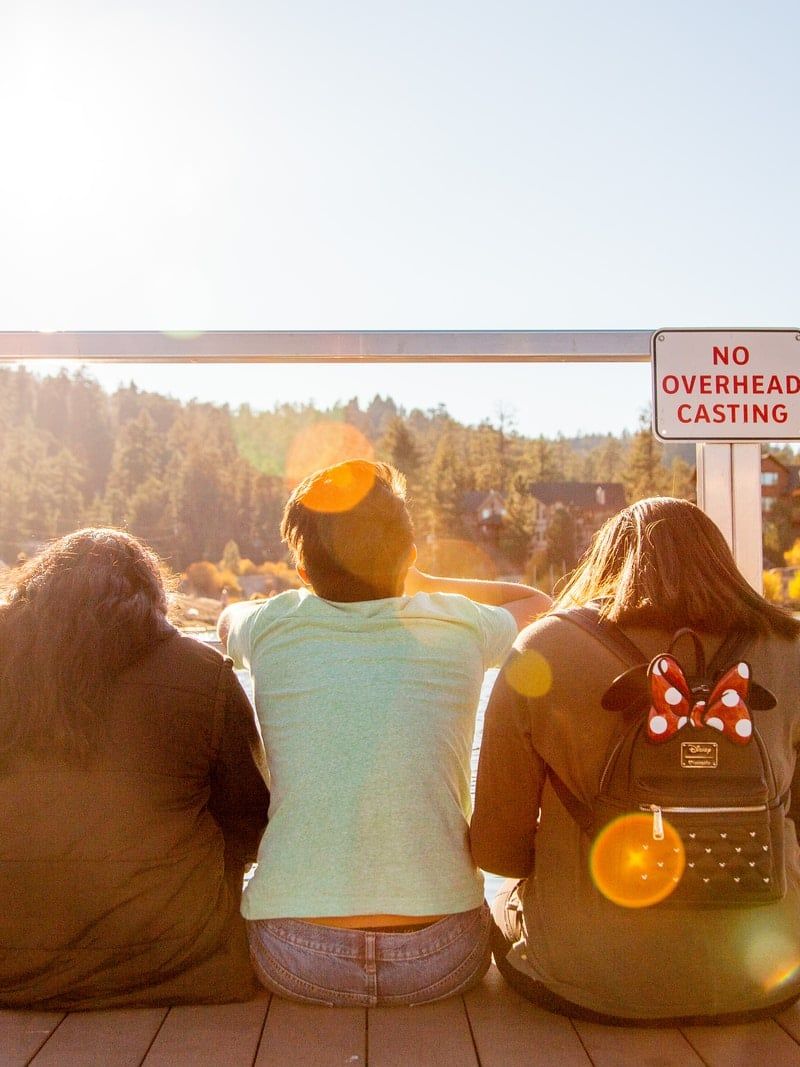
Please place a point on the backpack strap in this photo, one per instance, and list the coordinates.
(605, 631)
(609, 635)
(580, 812)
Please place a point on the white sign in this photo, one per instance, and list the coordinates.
(726, 385)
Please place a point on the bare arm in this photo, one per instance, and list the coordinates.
(223, 628)
(225, 620)
(524, 602)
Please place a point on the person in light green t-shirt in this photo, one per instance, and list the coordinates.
(366, 686)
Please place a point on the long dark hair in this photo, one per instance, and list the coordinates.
(72, 619)
(662, 562)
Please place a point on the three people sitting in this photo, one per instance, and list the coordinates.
(133, 765)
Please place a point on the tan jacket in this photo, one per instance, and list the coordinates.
(640, 963)
(120, 879)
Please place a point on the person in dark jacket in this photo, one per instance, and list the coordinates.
(132, 790)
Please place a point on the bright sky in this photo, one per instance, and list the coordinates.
(435, 164)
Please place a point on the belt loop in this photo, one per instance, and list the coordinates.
(370, 967)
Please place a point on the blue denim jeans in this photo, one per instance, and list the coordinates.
(346, 968)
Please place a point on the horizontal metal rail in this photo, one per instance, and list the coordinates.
(322, 346)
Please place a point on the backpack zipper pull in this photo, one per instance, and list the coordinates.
(658, 823)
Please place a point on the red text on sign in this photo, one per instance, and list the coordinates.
(740, 355)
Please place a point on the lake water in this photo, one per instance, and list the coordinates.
(493, 882)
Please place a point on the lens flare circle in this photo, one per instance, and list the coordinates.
(340, 489)
(529, 674)
(632, 869)
(323, 444)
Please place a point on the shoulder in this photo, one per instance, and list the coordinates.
(577, 660)
(554, 629)
(776, 659)
(178, 660)
(492, 629)
(257, 614)
(456, 608)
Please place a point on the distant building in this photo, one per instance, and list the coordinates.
(484, 512)
(588, 503)
(780, 481)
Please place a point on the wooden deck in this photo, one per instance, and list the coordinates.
(489, 1027)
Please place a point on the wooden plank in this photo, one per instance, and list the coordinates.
(210, 1035)
(745, 1045)
(22, 1034)
(636, 1046)
(118, 1038)
(312, 1035)
(509, 1031)
(427, 1035)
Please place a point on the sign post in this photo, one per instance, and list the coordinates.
(729, 391)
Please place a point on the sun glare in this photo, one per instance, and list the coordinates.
(529, 674)
(632, 869)
(322, 445)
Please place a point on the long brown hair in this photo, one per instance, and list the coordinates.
(74, 617)
(662, 562)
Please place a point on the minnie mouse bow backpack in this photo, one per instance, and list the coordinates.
(690, 756)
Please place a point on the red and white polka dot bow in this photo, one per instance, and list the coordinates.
(674, 705)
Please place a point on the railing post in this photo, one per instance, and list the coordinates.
(729, 492)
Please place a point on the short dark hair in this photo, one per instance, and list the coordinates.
(349, 528)
(662, 562)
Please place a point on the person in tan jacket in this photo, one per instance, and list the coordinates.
(659, 565)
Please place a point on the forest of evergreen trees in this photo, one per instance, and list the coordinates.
(190, 477)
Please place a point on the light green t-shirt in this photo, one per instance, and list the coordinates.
(367, 711)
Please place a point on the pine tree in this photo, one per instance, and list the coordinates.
(542, 461)
(517, 532)
(644, 474)
(608, 461)
(450, 479)
(67, 477)
(148, 514)
(561, 540)
(682, 482)
(138, 455)
(400, 449)
(231, 558)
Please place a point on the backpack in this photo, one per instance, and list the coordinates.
(689, 761)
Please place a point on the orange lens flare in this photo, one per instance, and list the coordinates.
(324, 444)
(341, 489)
(630, 867)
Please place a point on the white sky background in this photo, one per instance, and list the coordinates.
(416, 165)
